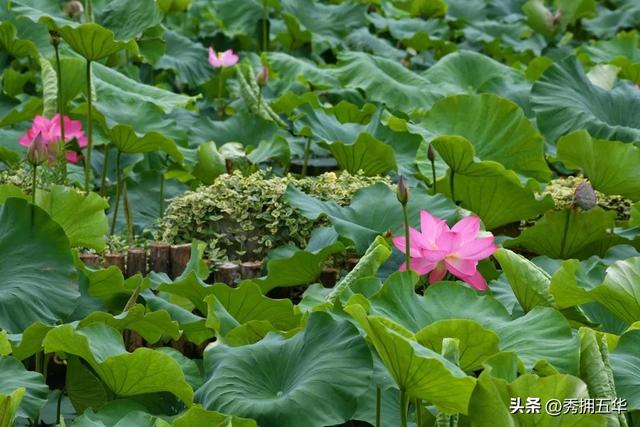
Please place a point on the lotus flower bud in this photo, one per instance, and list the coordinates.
(263, 77)
(585, 196)
(402, 192)
(54, 37)
(74, 9)
(37, 152)
(431, 153)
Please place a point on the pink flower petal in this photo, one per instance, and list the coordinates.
(228, 58)
(439, 273)
(213, 59)
(468, 226)
(477, 281)
(431, 227)
(478, 249)
(400, 243)
(422, 266)
(460, 267)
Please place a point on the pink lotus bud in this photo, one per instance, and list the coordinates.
(263, 77)
(431, 153)
(402, 192)
(37, 152)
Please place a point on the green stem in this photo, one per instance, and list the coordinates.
(404, 408)
(38, 361)
(433, 175)
(59, 407)
(127, 214)
(220, 101)
(563, 243)
(132, 299)
(118, 190)
(407, 244)
(87, 163)
(378, 406)
(419, 412)
(62, 153)
(89, 7)
(34, 178)
(265, 29)
(305, 161)
(452, 175)
(105, 170)
(161, 195)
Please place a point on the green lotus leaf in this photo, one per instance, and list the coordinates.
(15, 376)
(129, 19)
(12, 44)
(230, 309)
(84, 388)
(609, 165)
(73, 83)
(623, 51)
(422, 8)
(366, 154)
(540, 18)
(276, 149)
(514, 37)
(372, 211)
(29, 342)
(272, 380)
(120, 413)
(290, 266)
(18, 111)
(9, 404)
(566, 287)
(196, 416)
(38, 282)
(565, 100)
(174, 5)
(475, 342)
(363, 40)
(210, 163)
(152, 325)
(185, 58)
(625, 362)
(386, 81)
(497, 129)
(486, 187)
(126, 374)
(91, 41)
(587, 234)
(619, 292)
(5, 345)
(608, 22)
(233, 19)
(291, 71)
(417, 370)
(127, 141)
(189, 366)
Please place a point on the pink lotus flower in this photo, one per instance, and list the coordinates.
(436, 249)
(50, 133)
(222, 59)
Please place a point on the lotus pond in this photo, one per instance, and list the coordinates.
(309, 213)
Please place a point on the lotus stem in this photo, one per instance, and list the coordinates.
(433, 176)
(220, 101)
(34, 178)
(161, 195)
(105, 170)
(61, 154)
(87, 163)
(38, 362)
(89, 8)
(419, 412)
(127, 213)
(59, 406)
(132, 299)
(305, 161)
(407, 243)
(563, 243)
(451, 186)
(404, 408)
(378, 406)
(265, 29)
(118, 190)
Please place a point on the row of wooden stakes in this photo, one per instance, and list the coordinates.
(172, 260)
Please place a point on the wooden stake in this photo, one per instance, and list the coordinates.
(228, 273)
(90, 260)
(180, 255)
(328, 277)
(136, 261)
(251, 269)
(116, 259)
(160, 257)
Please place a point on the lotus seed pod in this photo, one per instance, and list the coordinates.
(54, 37)
(585, 196)
(402, 192)
(74, 9)
(431, 153)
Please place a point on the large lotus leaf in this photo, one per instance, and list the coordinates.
(12, 111)
(611, 166)
(235, 19)
(367, 154)
(151, 325)
(411, 32)
(623, 51)
(565, 100)
(191, 287)
(475, 342)
(127, 141)
(5, 344)
(492, 400)
(38, 281)
(324, 25)
(9, 404)
(128, 19)
(29, 342)
(496, 127)
(119, 95)
(233, 313)
(126, 374)
(587, 234)
(422, 8)
(625, 361)
(273, 380)
(14, 376)
(607, 22)
(91, 41)
(290, 266)
(185, 58)
(486, 187)
(364, 41)
(512, 36)
(290, 70)
(197, 416)
(386, 81)
(620, 292)
(210, 163)
(373, 211)
(119, 413)
(12, 44)
(419, 371)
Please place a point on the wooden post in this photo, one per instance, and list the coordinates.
(136, 261)
(116, 259)
(251, 269)
(180, 255)
(160, 257)
(90, 260)
(228, 273)
(328, 277)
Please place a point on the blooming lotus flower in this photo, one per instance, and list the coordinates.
(436, 249)
(50, 133)
(222, 59)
